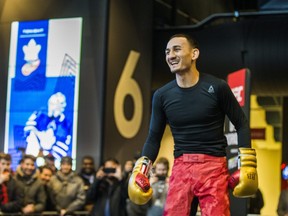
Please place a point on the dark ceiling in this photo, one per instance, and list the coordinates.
(171, 13)
(251, 32)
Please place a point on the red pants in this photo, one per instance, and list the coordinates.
(198, 175)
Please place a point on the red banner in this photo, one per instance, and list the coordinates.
(236, 82)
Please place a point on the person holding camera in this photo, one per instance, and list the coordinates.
(108, 190)
(159, 183)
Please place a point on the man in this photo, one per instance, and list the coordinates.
(87, 172)
(11, 194)
(88, 175)
(45, 174)
(159, 182)
(132, 208)
(34, 193)
(107, 191)
(67, 188)
(194, 105)
(50, 162)
(282, 206)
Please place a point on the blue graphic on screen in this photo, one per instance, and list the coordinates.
(43, 89)
(47, 123)
(31, 56)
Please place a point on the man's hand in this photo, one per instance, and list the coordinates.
(30, 208)
(63, 212)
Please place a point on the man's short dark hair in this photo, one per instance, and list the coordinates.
(192, 41)
(4, 156)
(88, 157)
(67, 160)
(114, 160)
(41, 168)
(28, 156)
(163, 160)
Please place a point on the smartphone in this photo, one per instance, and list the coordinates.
(109, 170)
(161, 178)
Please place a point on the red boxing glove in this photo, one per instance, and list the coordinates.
(234, 179)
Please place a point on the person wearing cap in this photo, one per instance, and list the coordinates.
(67, 188)
(50, 161)
(27, 178)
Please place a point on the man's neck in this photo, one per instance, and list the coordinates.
(187, 79)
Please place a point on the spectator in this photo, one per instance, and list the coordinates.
(256, 203)
(50, 161)
(67, 188)
(87, 172)
(45, 175)
(132, 208)
(128, 167)
(282, 208)
(88, 175)
(194, 206)
(34, 193)
(159, 183)
(107, 191)
(11, 194)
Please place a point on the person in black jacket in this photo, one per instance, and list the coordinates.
(256, 203)
(108, 190)
(88, 175)
(11, 194)
(282, 206)
(45, 174)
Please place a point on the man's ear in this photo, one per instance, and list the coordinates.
(195, 53)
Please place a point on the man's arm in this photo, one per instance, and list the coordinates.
(236, 115)
(156, 129)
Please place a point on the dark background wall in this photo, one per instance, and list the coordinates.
(130, 29)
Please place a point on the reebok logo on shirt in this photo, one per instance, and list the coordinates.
(211, 89)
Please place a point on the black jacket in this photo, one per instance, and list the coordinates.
(101, 191)
(15, 197)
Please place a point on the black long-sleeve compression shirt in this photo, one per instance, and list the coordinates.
(196, 117)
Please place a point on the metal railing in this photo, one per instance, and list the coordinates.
(47, 213)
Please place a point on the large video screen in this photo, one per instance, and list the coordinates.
(43, 88)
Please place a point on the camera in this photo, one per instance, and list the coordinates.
(109, 170)
(161, 177)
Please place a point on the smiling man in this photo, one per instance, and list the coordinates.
(194, 105)
(67, 188)
(34, 193)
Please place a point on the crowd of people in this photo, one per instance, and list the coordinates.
(32, 189)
